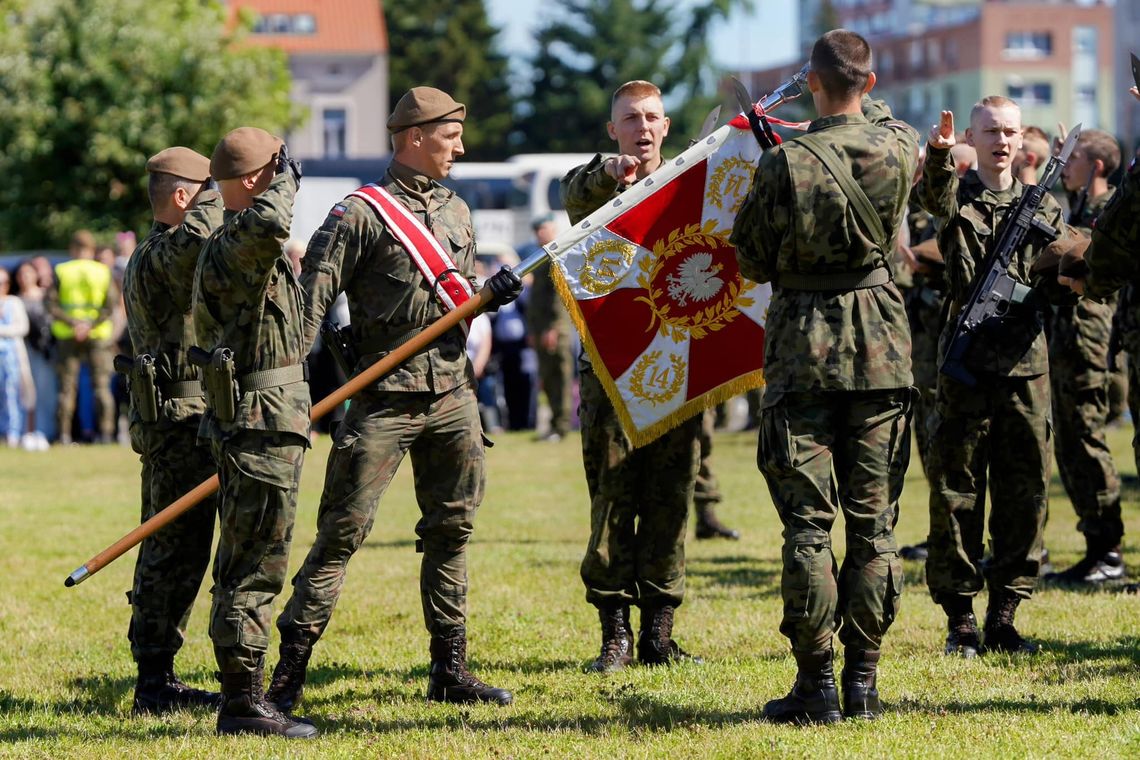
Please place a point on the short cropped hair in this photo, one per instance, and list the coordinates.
(842, 61)
(1099, 145)
(992, 101)
(1036, 143)
(161, 186)
(638, 88)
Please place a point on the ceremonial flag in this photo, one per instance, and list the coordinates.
(653, 287)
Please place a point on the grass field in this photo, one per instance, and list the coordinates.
(66, 675)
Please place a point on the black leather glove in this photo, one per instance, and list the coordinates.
(506, 286)
(285, 163)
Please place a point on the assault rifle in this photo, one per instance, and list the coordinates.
(995, 291)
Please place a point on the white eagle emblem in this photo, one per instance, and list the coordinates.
(695, 278)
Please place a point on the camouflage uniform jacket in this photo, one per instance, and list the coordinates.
(796, 219)
(544, 310)
(247, 299)
(157, 287)
(388, 298)
(1113, 257)
(584, 190)
(1082, 331)
(970, 214)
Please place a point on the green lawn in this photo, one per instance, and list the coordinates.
(66, 674)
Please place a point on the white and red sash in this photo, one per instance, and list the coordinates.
(434, 263)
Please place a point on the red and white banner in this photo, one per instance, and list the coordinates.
(652, 284)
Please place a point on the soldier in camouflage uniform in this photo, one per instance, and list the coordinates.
(1004, 424)
(1080, 377)
(247, 300)
(820, 224)
(1112, 264)
(639, 498)
(550, 329)
(156, 293)
(426, 407)
(706, 489)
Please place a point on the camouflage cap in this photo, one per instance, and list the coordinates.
(424, 105)
(180, 162)
(242, 151)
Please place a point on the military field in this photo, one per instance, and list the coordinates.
(66, 676)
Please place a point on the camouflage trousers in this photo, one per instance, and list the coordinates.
(444, 436)
(924, 307)
(173, 561)
(998, 433)
(1134, 403)
(1080, 412)
(639, 504)
(822, 454)
(706, 490)
(556, 375)
(99, 354)
(260, 472)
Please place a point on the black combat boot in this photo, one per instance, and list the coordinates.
(963, 639)
(246, 711)
(710, 526)
(159, 691)
(287, 685)
(1102, 563)
(617, 640)
(860, 692)
(813, 698)
(449, 679)
(1000, 635)
(655, 644)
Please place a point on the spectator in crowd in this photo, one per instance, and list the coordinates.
(81, 303)
(15, 378)
(515, 359)
(40, 350)
(479, 351)
(550, 333)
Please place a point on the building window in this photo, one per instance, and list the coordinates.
(916, 54)
(1028, 45)
(334, 128)
(952, 53)
(887, 63)
(1032, 94)
(304, 23)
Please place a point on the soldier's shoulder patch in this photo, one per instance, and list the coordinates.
(336, 214)
(338, 210)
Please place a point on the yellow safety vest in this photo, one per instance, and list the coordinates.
(83, 287)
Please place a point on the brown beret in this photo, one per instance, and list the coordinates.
(424, 105)
(181, 162)
(242, 151)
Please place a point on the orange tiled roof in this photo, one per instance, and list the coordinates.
(342, 26)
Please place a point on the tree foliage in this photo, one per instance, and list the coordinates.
(90, 88)
(587, 48)
(451, 45)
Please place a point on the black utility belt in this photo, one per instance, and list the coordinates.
(834, 280)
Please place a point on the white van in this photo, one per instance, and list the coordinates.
(496, 194)
(542, 173)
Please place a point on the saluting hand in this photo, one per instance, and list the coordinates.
(623, 168)
(942, 133)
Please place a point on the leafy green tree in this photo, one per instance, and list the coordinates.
(451, 44)
(90, 88)
(589, 47)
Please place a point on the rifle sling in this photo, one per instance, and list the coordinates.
(860, 203)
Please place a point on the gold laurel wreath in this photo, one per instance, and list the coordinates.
(720, 175)
(710, 319)
(588, 276)
(637, 379)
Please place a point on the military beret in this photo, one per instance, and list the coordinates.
(424, 105)
(181, 162)
(927, 253)
(244, 150)
(1066, 255)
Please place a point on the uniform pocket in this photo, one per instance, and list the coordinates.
(775, 452)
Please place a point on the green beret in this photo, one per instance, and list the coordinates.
(181, 162)
(242, 151)
(424, 105)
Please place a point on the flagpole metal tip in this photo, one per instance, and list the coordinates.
(78, 576)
